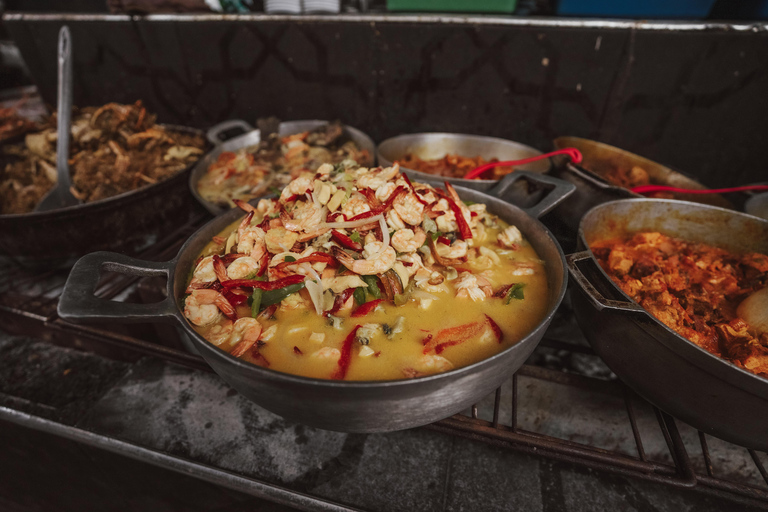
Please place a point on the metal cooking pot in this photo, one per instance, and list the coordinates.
(592, 188)
(371, 406)
(429, 146)
(707, 392)
(126, 222)
(250, 136)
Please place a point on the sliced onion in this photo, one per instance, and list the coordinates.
(421, 294)
(315, 289)
(384, 231)
(352, 223)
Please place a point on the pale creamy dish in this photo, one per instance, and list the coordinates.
(360, 274)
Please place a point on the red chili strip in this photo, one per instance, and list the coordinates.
(366, 308)
(400, 190)
(291, 198)
(443, 240)
(365, 215)
(346, 355)
(453, 336)
(502, 291)
(264, 285)
(426, 340)
(418, 197)
(340, 299)
(496, 329)
(234, 298)
(315, 257)
(345, 241)
(464, 231)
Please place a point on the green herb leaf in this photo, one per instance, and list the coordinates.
(289, 258)
(274, 296)
(516, 292)
(256, 301)
(355, 236)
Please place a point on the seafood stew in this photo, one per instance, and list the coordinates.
(115, 149)
(693, 288)
(249, 172)
(352, 272)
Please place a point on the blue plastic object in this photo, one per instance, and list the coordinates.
(635, 8)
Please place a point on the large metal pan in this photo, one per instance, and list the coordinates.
(436, 145)
(126, 222)
(707, 392)
(592, 188)
(373, 406)
(249, 136)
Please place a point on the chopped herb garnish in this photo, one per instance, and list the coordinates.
(516, 292)
(355, 236)
(289, 258)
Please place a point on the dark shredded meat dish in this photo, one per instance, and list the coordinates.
(453, 166)
(694, 289)
(114, 149)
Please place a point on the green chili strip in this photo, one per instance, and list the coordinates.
(256, 301)
(516, 292)
(359, 295)
(373, 286)
(274, 296)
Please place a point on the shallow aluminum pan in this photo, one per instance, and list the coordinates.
(252, 137)
(681, 378)
(365, 406)
(429, 146)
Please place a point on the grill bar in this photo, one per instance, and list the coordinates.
(27, 306)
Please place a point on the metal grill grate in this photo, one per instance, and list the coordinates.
(28, 302)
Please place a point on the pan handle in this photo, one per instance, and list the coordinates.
(558, 190)
(78, 302)
(220, 133)
(595, 297)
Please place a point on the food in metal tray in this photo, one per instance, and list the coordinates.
(453, 165)
(360, 274)
(249, 172)
(693, 288)
(115, 149)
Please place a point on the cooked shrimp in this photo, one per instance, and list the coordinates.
(219, 333)
(245, 333)
(409, 209)
(279, 240)
(377, 259)
(305, 217)
(415, 262)
(394, 221)
(298, 186)
(457, 249)
(510, 237)
(242, 267)
(383, 192)
(203, 307)
(250, 239)
(203, 276)
(328, 353)
(408, 240)
(356, 205)
(472, 286)
(376, 178)
(429, 280)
